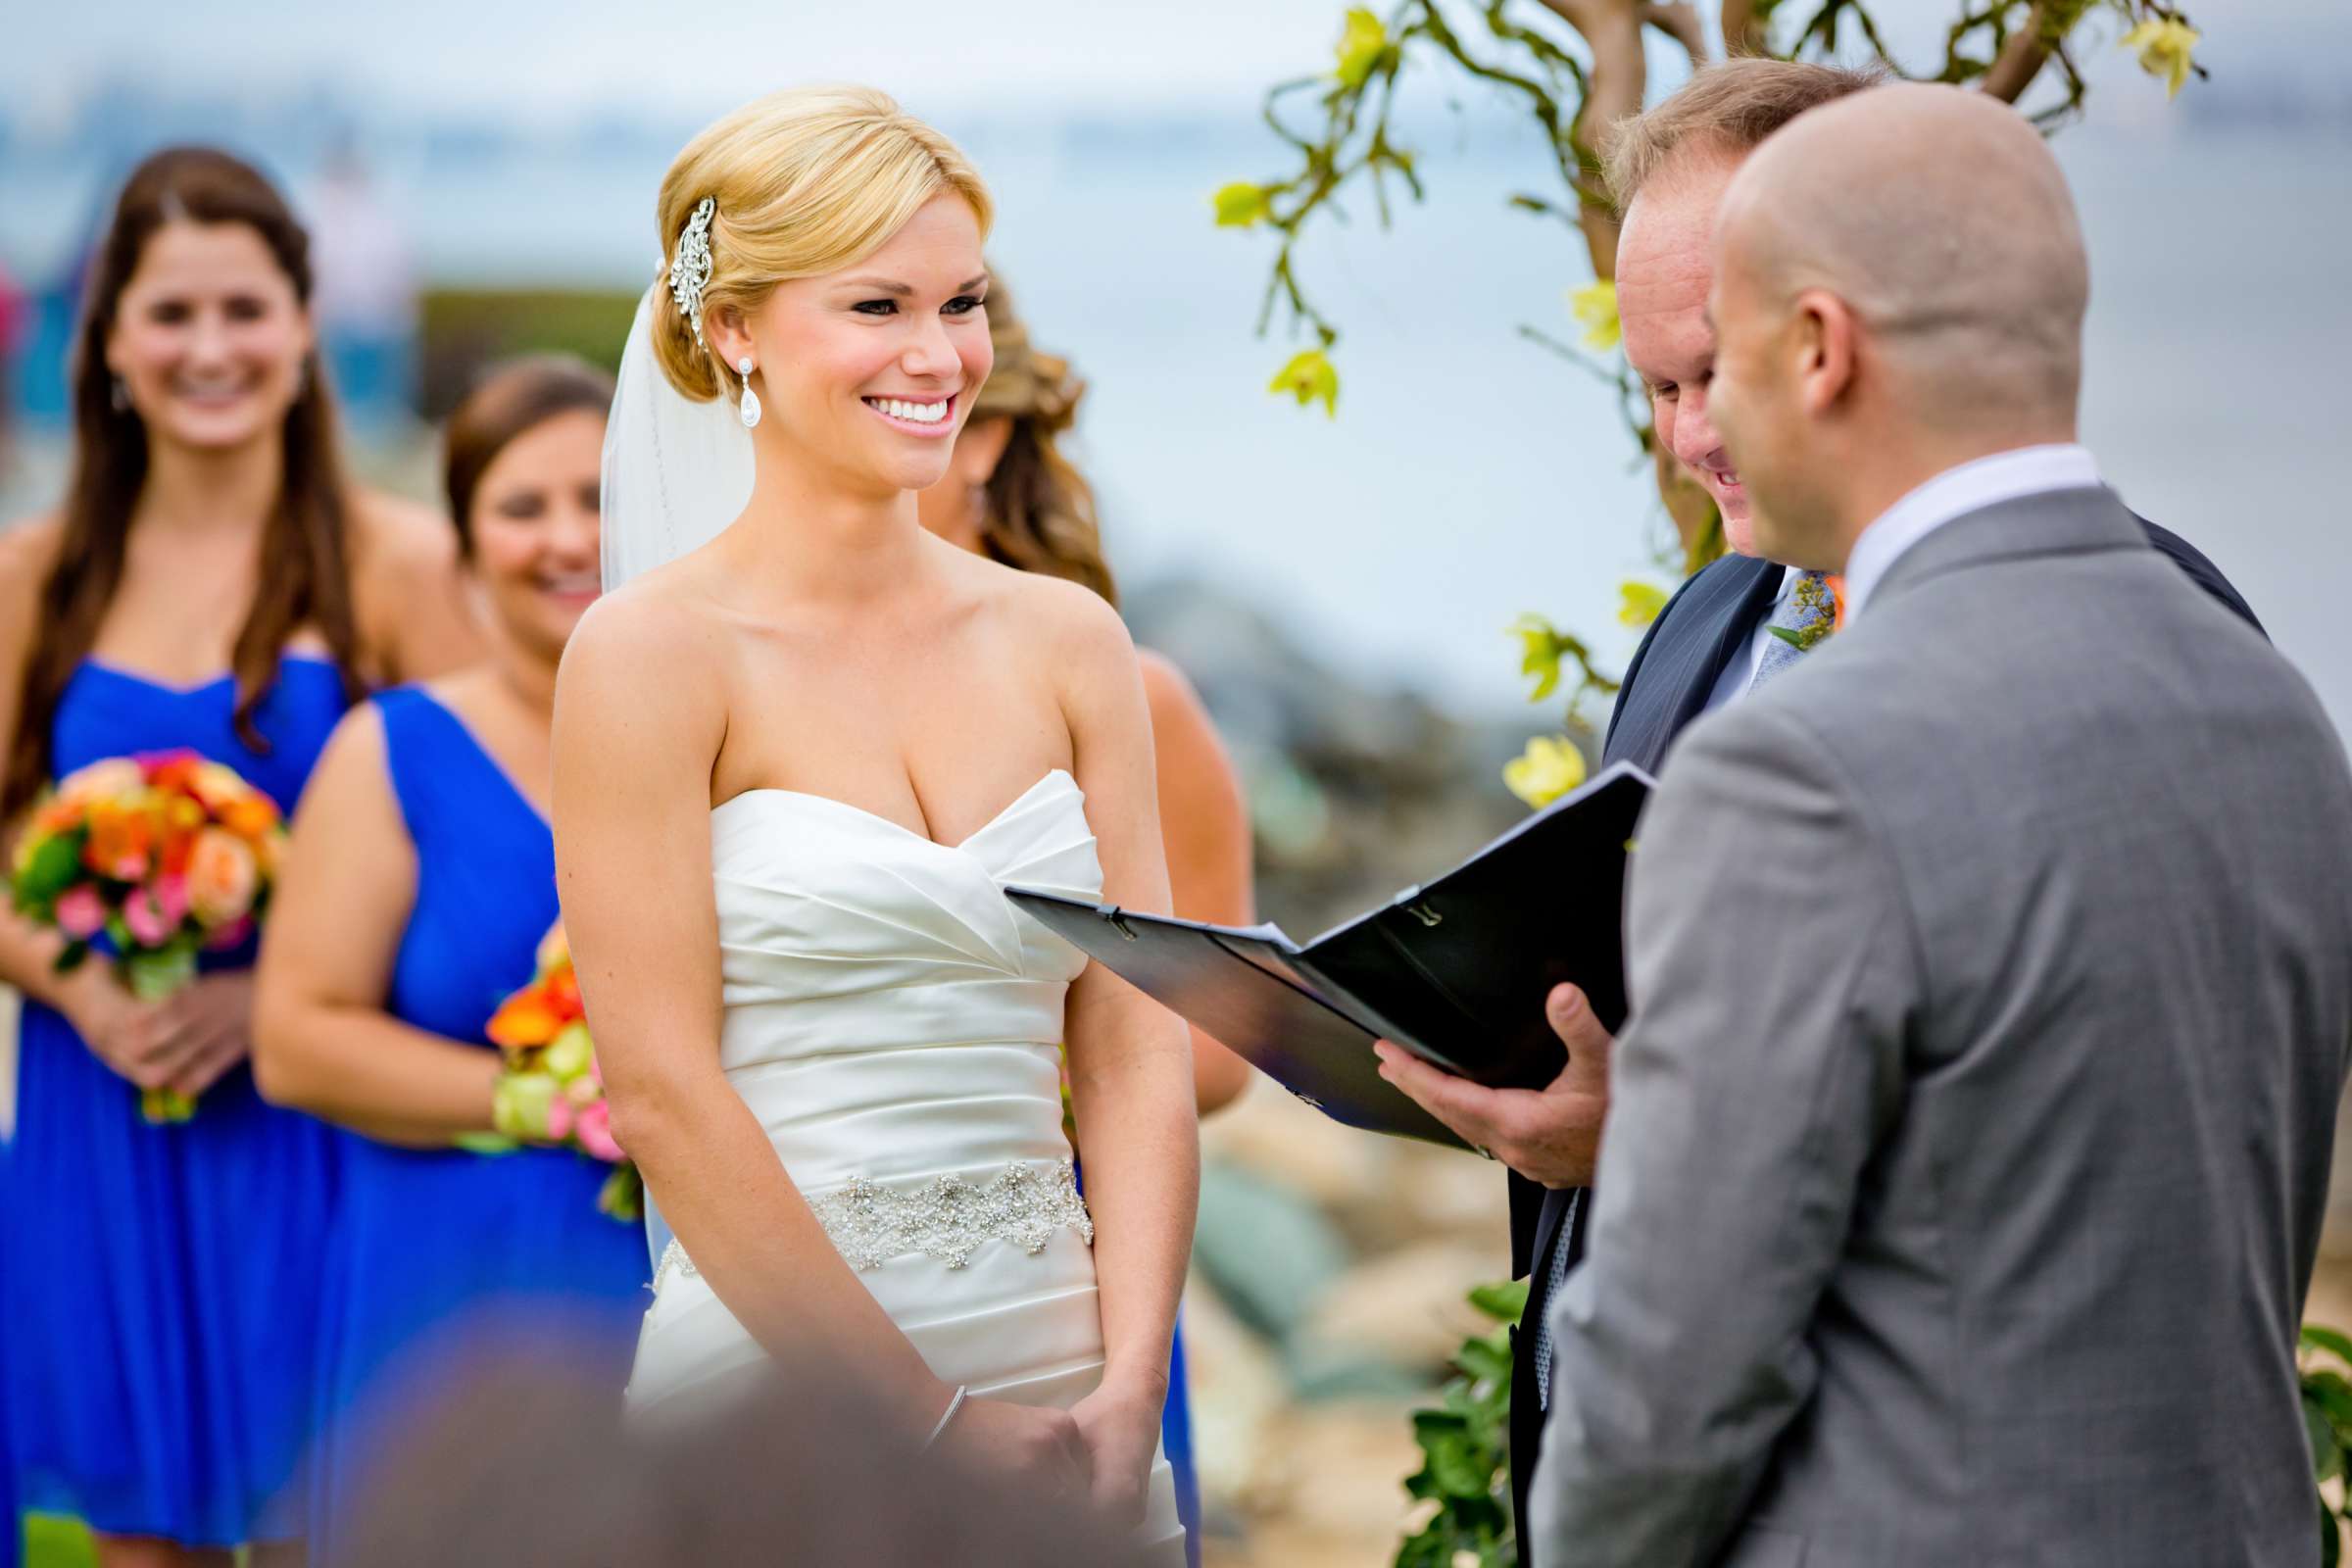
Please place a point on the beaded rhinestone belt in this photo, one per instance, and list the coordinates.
(943, 1218)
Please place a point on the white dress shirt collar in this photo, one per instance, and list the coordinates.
(1741, 673)
(1954, 493)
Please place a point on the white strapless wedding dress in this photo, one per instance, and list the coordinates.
(895, 1024)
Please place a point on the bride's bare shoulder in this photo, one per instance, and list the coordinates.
(1061, 622)
(651, 636)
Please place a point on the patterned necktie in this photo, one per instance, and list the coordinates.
(1553, 1279)
(1807, 614)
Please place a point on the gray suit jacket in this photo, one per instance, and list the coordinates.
(1992, 975)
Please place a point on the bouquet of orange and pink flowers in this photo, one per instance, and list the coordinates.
(551, 1091)
(151, 858)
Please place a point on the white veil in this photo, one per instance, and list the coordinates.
(676, 471)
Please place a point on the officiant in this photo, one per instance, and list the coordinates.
(1720, 637)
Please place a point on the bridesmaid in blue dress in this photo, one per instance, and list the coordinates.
(420, 880)
(1012, 496)
(209, 582)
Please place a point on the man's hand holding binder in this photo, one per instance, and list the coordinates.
(1549, 1135)
(1461, 979)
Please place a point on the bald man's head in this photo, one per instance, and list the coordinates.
(1923, 239)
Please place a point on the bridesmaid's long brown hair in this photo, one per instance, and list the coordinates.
(1041, 510)
(306, 571)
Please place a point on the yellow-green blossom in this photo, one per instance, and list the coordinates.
(1361, 40)
(1542, 656)
(1240, 204)
(1596, 306)
(1307, 377)
(1550, 768)
(2167, 48)
(1638, 602)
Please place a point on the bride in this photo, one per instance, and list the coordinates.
(798, 756)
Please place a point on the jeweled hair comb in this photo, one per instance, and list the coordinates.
(690, 267)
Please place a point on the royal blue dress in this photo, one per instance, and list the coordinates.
(1176, 1440)
(11, 1518)
(161, 1297)
(434, 1251)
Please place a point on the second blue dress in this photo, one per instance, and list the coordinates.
(433, 1249)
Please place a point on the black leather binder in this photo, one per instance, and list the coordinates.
(1455, 971)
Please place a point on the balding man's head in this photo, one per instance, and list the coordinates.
(1666, 169)
(1905, 277)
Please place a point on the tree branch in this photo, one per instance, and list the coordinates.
(1678, 19)
(2025, 53)
(1612, 30)
(1743, 29)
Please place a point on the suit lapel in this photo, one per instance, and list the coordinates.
(1709, 622)
(1706, 626)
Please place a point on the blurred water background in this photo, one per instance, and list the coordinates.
(1340, 589)
(1471, 475)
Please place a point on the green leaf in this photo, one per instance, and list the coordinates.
(2335, 1344)
(2326, 1455)
(54, 1541)
(1462, 1468)
(1506, 1300)
(1428, 1549)
(2334, 1396)
(54, 866)
(483, 1142)
(166, 1107)
(72, 959)
(1787, 635)
(1465, 1448)
(1485, 1360)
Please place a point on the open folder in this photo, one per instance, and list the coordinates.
(1455, 971)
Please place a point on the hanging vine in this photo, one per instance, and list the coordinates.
(1573, 68)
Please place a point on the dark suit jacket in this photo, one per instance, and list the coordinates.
(1710, 621)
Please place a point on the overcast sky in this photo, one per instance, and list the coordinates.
(539, 57)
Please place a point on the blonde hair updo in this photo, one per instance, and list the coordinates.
(804, 183)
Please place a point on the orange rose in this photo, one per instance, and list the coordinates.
(525, 1020)
(223, 878)
(119, 843)
(250, 816)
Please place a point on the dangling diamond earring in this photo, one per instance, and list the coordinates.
(119, 395)
(751, 399)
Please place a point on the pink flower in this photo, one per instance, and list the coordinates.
(594, 1131)
(145, 918)
(230, 935)
(559, 1118)
(171, 897)
(81, 913)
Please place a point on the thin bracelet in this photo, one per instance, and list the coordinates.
(953, 1405)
